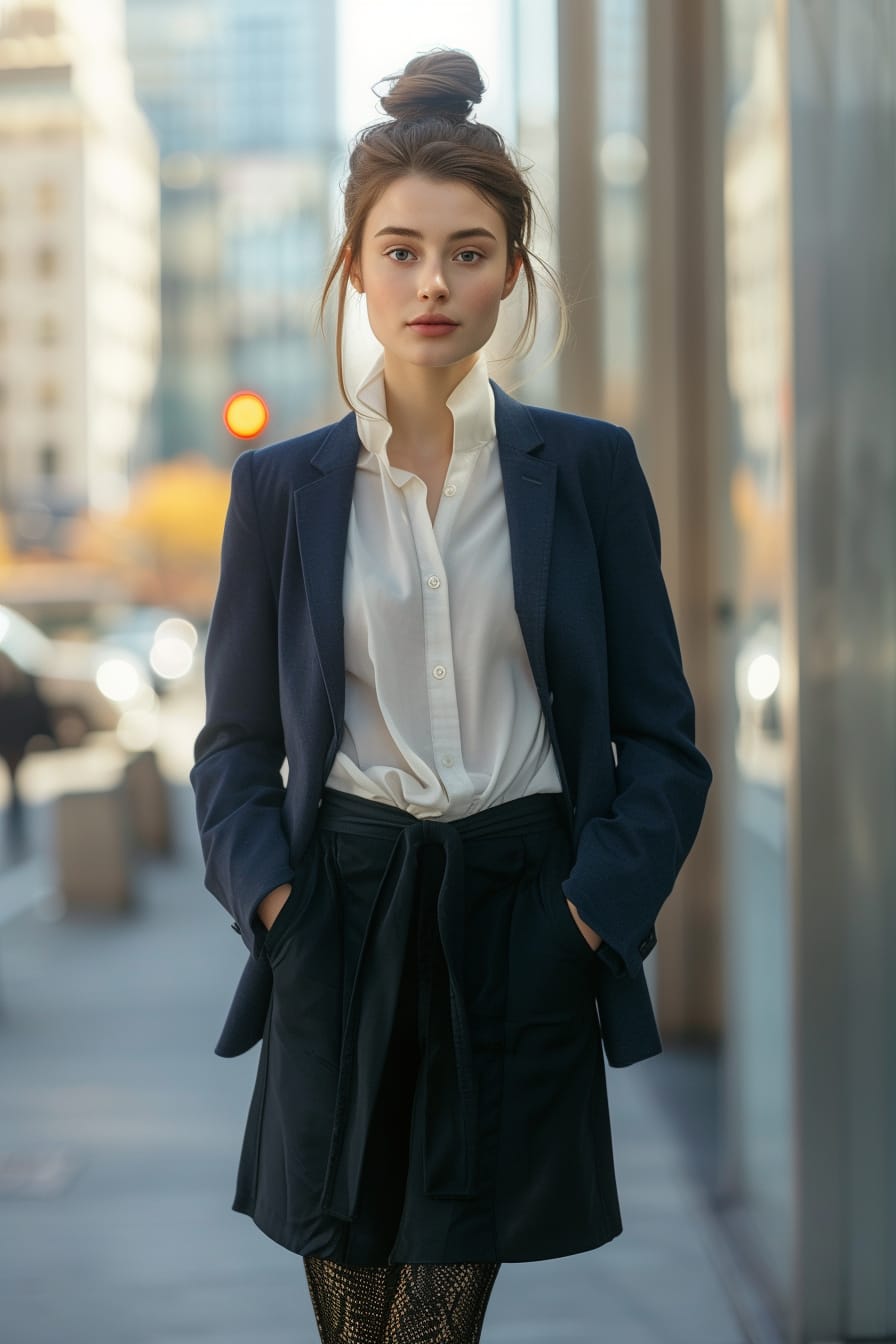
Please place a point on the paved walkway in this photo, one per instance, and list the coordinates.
(119, 1131)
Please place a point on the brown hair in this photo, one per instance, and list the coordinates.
(429, 133)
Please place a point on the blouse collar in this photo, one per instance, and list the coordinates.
(472, 404)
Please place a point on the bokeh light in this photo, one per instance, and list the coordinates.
(245, 414)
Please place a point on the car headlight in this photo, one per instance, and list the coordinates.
(118, 680)
(170, 657)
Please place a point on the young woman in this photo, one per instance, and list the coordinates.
(446, 613)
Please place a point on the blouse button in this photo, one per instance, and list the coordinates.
(434, 581)
(447, 760)
(439, 670)
(450, 489)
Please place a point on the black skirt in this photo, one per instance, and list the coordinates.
(431, 1084)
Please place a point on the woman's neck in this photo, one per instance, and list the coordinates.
(416, 397)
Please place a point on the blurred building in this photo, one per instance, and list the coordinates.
(722, 177)
(79, 264)
(243, 101)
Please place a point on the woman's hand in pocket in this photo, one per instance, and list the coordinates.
(592, 938)
(270, 906)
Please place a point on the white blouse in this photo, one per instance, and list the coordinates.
(442, 717)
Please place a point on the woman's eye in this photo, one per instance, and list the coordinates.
(398, 249)
(469, 252)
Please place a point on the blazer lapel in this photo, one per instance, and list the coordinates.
(323, 505)
(322, 509)
(530, 484)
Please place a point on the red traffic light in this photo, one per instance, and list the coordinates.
(245, 414)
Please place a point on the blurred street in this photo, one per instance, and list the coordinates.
(119, 1138)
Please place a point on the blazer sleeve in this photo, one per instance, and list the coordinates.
(627, 861)
(239, 752)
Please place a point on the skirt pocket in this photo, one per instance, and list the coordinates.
(571, 930)
(550, 965)
(285, 926)
(552, 868)
(306, 962)
(279, 929)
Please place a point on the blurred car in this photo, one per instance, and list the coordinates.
(165, 643)
(86, 686)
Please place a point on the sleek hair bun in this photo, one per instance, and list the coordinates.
(441, 83)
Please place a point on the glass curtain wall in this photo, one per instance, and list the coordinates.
(759, 1045)
(622, 168)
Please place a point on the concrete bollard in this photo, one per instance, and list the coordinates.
(148, 803)
(93, 842)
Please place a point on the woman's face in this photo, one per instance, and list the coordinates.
(433, 248)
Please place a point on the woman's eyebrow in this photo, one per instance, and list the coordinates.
(415, 233)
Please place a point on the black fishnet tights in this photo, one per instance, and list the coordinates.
(399, 1304)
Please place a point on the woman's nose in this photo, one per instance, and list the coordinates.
(432, 286)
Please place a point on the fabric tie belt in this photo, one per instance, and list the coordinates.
(448, 1085)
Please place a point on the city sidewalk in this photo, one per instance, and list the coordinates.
(121, 1128)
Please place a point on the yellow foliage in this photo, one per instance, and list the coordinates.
(165, 546)
(177, 508)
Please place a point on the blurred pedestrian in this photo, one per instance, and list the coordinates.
(446, 613)
(24, 719)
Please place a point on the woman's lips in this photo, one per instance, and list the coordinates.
(433, 328)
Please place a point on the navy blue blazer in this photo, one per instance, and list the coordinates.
(602, 644)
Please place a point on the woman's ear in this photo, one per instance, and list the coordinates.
(354, 270)
(513, 271)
